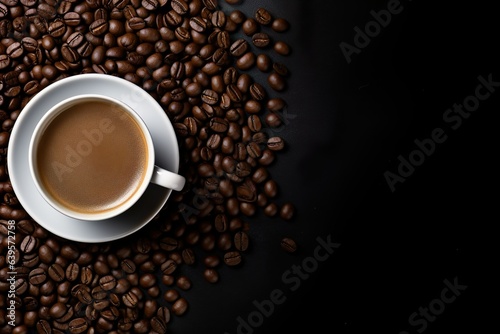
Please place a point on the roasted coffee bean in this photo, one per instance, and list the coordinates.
(253, 150)
(280, 25)
(275, 104)
(263, 16)
(77, 325)
(237, 16)
(72, 19)
(232, 258)
(30, 260)
(218, 19)
(248, 209)
(149, 35)
(234, 93)
(213, 143)
(221, 222)
(83, 296)
(105, 326)
(252, 107)
(211, 261)
(254, 123)
(98, 293)
(183, 283)
(147, 280)
(281, 48)
(72, 272)
(246, 192)
(179, 6)
(211, 275)
(180, 306)
(257, 91)
(209, 97)
(29, 44)
(15, 50)
(21, 286)
(261, 40)
(158, 325)
(69, 54)
(287, 211)
(46, 11)
(128, 266)
(239, 47)
(264, 62)
(218, 124)
(56, 272)
(243, 83)
(241, 241)
(275, 143)
(198, 24)
(220, 57)
(57, 28)
(98, 55)
(130, 299)
(168, 267)
(99, 27)
(281, 69)
(58, 310)
(107, 282)
(271, 210)
(37, 276)
(43, 327)
(271, 188)
(28, 244)
(86, 275)
(171, 295)
(125, 324)
(246, 61)
(110, 314)
(289, 245)
(4, 61)
(250, 26)
(276, 81)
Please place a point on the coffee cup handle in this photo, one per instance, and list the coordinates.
(167, 179)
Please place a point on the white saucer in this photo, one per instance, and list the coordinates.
(155, 197)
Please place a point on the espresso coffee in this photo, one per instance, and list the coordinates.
(92, 157)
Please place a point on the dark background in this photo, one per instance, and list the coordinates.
(351, 122)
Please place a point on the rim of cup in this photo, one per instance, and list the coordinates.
(45, 121)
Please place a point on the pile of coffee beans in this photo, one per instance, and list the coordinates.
(199, 59)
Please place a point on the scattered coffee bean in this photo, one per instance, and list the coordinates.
(280, 25)
(276, 81)
(250, 26)
(275, 143)
(261, 40)
(211, 275)
(264, 62)
(232, 258)
(282, 48)
(241, 241)
(263, 16)
(289, 245)
(287, 211)
(180, 306)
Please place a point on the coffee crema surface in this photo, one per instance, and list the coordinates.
(92, 157)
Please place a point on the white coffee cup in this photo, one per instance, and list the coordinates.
(100, 160)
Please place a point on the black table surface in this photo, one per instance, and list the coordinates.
(412, 259)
